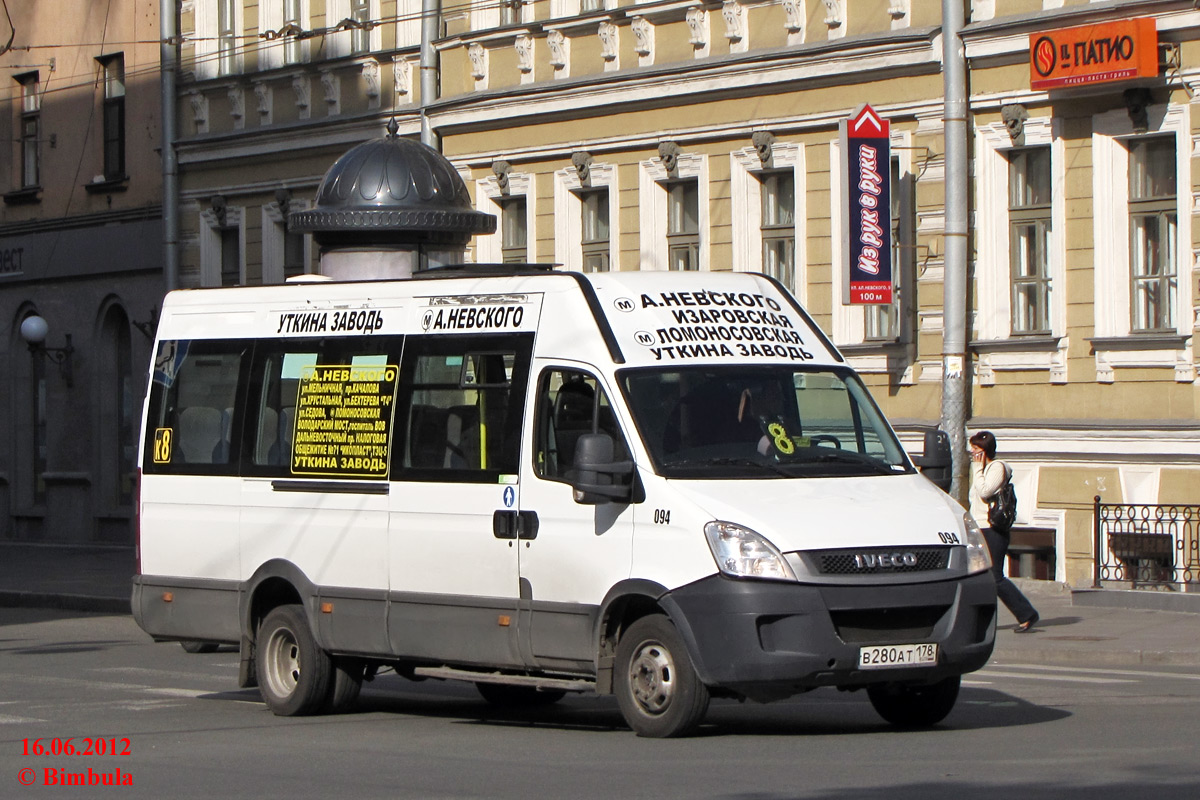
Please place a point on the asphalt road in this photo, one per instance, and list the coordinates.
(181, 728)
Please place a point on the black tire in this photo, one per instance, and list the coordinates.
(345, 684)
(505, 696)
(199, 647)
(294, 674)
(657, 687)
(908, 705)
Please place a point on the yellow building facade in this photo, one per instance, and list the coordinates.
(705, 135)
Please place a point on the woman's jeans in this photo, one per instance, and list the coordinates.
(1009, 594)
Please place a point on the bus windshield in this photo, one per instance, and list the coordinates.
(760, 421)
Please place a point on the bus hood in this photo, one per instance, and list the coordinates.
(824, 513)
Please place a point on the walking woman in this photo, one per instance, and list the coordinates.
(988, 477)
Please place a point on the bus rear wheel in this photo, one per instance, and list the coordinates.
(294, 673)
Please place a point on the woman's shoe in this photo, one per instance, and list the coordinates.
(1027, 625)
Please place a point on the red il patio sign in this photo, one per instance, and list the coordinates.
(868, 207)
(1108, 51)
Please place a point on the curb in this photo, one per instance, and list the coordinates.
(65, 602)
(1096, 658)
(1141, 600)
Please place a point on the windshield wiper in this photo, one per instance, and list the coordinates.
(851, 457)
(730, 461)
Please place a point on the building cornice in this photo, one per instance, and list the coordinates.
(43, 225)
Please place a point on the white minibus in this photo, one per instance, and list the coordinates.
(668, 487)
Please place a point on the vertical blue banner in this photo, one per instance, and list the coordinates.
(867, 145)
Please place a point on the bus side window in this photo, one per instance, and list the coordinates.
(459, 409)
(570, 404)
(192, 399)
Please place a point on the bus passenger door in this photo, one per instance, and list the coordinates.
(453, 561)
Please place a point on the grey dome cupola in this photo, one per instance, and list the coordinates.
(391, 192)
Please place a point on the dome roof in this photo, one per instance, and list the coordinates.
(393, 190)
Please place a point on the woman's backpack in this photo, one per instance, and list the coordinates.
(1002, 508)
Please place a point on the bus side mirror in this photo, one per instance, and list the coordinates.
(936, 463)
(596, 478)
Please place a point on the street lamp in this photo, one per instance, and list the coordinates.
(33, 331)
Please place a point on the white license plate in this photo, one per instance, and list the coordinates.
(897, 655)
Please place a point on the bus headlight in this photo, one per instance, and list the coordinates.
(978, 557)
(742, 553)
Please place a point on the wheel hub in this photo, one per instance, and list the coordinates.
(651, 676)
(283, 660)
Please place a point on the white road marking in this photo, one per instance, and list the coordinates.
(1094, 671)
(7, 719)
(1065, 678)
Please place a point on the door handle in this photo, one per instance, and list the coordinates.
(514, 524)
(527, 525)
(504, 524)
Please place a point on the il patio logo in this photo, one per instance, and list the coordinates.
(1045, 56)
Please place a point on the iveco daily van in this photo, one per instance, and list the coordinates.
(663, 486)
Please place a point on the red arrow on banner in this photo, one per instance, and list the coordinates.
(867, 116)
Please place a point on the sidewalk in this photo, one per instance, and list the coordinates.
(1081, 628)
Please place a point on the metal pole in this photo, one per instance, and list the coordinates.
(431, 12)
(169, 57)
(954, 300)
(1096, 542)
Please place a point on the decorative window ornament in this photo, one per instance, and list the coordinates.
(582, 161)
(331, 83)
(523, 45)
(302, 88)
(402, 74)
(793, 15)
(643, 36)
(264, 101)
(558, 44)
(735, 20)
(835, 13)
(609, 41)
(478, 56)
(697, 21)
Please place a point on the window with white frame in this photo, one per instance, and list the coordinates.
(1141, 253)
(513, 193)
(408, 23)
(227, 35)
(769, 202)
(1020, 260)
(673, 214)
(285, 253)
(683, 224)
(571, 8)
(222, 247)
(510, 12)
(778, 228)
(362, 32)
(486, 14)
(284, 17)
(1030, 221)
(586, 215)
(514, 230)
(1153, 233)
(219, 25)
(594, 239)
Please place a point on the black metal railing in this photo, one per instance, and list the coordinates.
(1146, 546)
